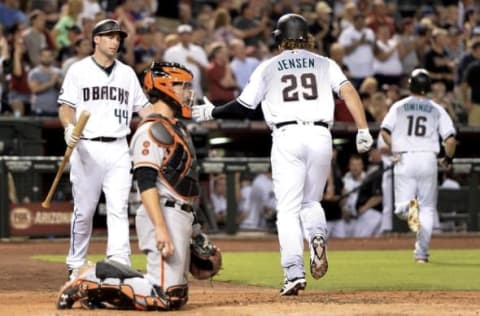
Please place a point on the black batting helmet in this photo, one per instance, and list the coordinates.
(291, 27)
(419, 81)
(108, 26)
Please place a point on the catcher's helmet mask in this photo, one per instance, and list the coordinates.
(108, 26)
(291, 27)
(419, 81)
(159, 82)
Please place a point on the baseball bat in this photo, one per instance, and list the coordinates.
(12, 189)
(77, 131)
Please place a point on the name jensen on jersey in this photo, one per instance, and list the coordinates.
(417, 107)
(285, 64)
(105, 93)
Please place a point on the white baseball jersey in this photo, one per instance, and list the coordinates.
(299, 76)
(110, 98)
(415, 123)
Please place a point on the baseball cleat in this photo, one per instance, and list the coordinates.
(319, 262)
(413, 219)
(292, 287)
(421, 260)
(69, 294)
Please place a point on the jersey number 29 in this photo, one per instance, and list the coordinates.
(308, 84)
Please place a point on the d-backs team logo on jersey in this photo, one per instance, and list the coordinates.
(105, 93)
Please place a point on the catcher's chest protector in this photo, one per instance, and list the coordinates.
(179, 167)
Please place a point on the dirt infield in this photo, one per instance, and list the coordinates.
(29, 287)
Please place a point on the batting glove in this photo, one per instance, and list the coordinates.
(70, 139)
(364, 140)
(203, 112)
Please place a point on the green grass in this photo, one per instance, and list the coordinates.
(351, 270)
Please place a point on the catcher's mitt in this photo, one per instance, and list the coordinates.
(205, 258)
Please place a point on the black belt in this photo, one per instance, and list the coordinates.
(102, 139)
(184, 207)
(317, 123)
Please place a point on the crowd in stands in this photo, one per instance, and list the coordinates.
(377, 43)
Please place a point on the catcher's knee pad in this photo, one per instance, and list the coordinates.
(177, 295)
(112, 269)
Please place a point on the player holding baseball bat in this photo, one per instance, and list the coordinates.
(74, 136)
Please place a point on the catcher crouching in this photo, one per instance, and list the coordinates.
(165, 168)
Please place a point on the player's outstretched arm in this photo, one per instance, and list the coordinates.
(355, 106)
(230, 110)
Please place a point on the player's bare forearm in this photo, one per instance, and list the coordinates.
(66, 114)
(387, 138)
(151, 202)
(450, 146)
(354, 104)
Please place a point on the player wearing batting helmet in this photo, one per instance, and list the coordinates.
(294, 89)
(110, 91)
(411, 129)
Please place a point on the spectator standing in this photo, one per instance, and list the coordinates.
(71, 17)
(19, 92)
(144, 50)
(222, 28)
(45, 81)
(407, 39)
(387, 65)
(358, 42)
(73, 33)
(221, 84)
(190, 55)
(348, 15)
(437, 62)
(242, 65)
(470, 89)
(251, 27)
(324, 28)
(10, 15)
(35, 37)
(83, 48)
(379, 17)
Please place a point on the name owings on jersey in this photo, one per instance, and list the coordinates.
(427, 108)
(105, 93)
(290, 63)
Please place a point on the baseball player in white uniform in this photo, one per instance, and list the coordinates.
(295, 92)
(110, 91)
(411, 128)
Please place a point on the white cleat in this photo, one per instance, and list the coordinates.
(292, 287)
